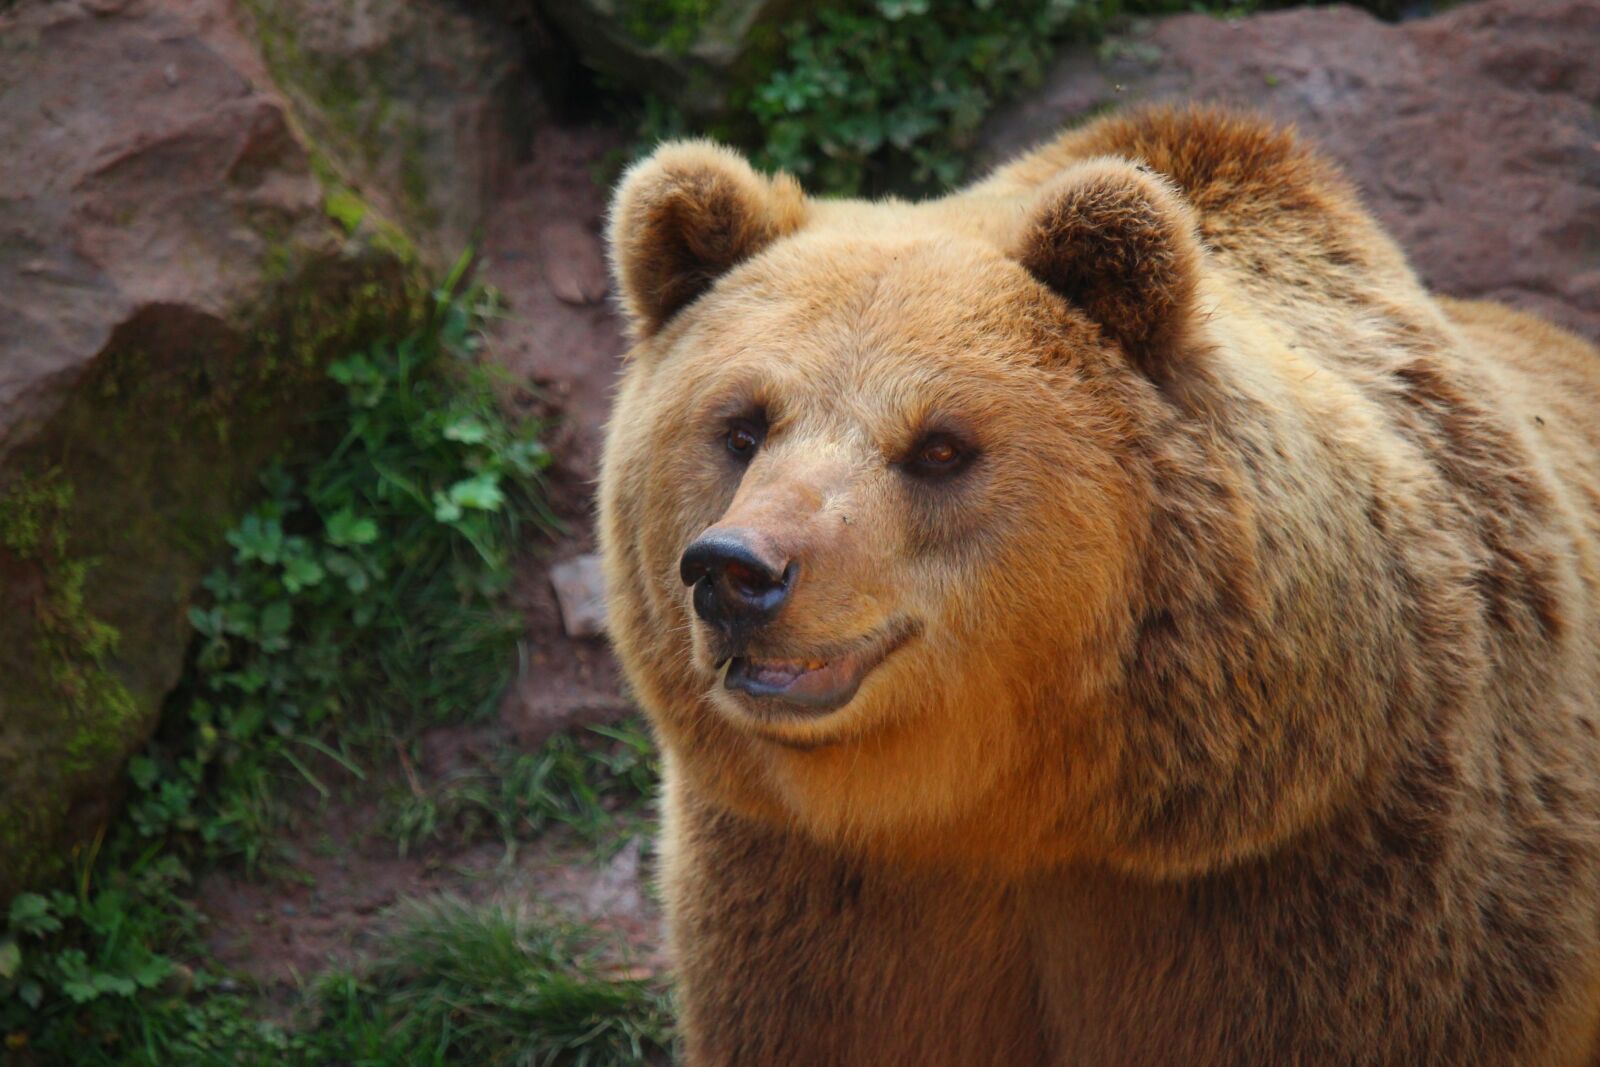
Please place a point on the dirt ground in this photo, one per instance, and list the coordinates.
(1475, 136)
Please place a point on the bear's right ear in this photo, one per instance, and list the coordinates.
(685, 216)
(1119, 243)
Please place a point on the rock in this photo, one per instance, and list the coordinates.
(419, 106)
(690, 54)
(581, 592)
(1474, 135)
(170, 287)
(618, 887)
(573, 264)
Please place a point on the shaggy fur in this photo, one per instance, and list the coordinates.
(1246, 711)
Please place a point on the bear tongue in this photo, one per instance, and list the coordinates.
(818, 683)
(780, 672)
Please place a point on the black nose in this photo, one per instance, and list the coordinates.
(735, 587)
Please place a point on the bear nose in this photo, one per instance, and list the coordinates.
(735, 586)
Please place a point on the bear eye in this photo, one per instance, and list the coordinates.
(938, 454)
(744, 436)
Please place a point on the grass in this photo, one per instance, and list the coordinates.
(458, 984)
(589, 782)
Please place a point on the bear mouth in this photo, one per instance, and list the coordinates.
(814, 683)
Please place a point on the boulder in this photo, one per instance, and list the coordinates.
(171, 285)
(420, 105)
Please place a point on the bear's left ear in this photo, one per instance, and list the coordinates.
(685, 216)
(1119, 243)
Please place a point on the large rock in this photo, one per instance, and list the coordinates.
(170, 286)
(693, 54)
(422, 105)
(1474, 135)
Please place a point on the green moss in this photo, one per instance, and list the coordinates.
(30, 511)
(353, 128)
(62, 661)
(345, 207)
(71, 645)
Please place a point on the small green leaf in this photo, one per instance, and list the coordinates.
(206, 623)
(30, 913)
(10, 959)
(115, 984)
(480, 493)
(80, 990)
(143, 771)
(31, 992)
(468, 429)
(301, 572)
(152, 972)
(275, 619)
(345, 529)
(445, 509)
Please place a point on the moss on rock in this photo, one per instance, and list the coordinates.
(110, 516)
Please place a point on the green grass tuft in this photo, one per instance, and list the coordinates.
(458, 984)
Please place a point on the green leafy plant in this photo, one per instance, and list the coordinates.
(876, 96)
(668, 24)
(892, 92)
(362, 593)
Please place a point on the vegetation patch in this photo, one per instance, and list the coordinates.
(114, 510)
(887, 96)
(455, 984)
(361, 601)
(669, 24)
(891, 94)
(590, 782)
(362, 596)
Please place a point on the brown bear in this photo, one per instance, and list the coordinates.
(1110, 615)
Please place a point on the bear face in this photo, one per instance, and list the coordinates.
(874, 498)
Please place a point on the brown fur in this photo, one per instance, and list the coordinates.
(1249, 709)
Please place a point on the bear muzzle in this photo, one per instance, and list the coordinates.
(740, 582)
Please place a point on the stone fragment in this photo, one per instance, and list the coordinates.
(580, 591)
(573, 264)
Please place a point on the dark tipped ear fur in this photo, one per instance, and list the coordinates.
(685, 216)
(1120, 244)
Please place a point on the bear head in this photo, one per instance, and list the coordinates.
(876, 492)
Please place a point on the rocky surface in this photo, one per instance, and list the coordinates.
(170, 285)
(692, 54)
(1474, 135)
(425, 107)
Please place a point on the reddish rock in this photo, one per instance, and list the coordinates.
(142, 166)
(1474, 135)
(423, 106)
